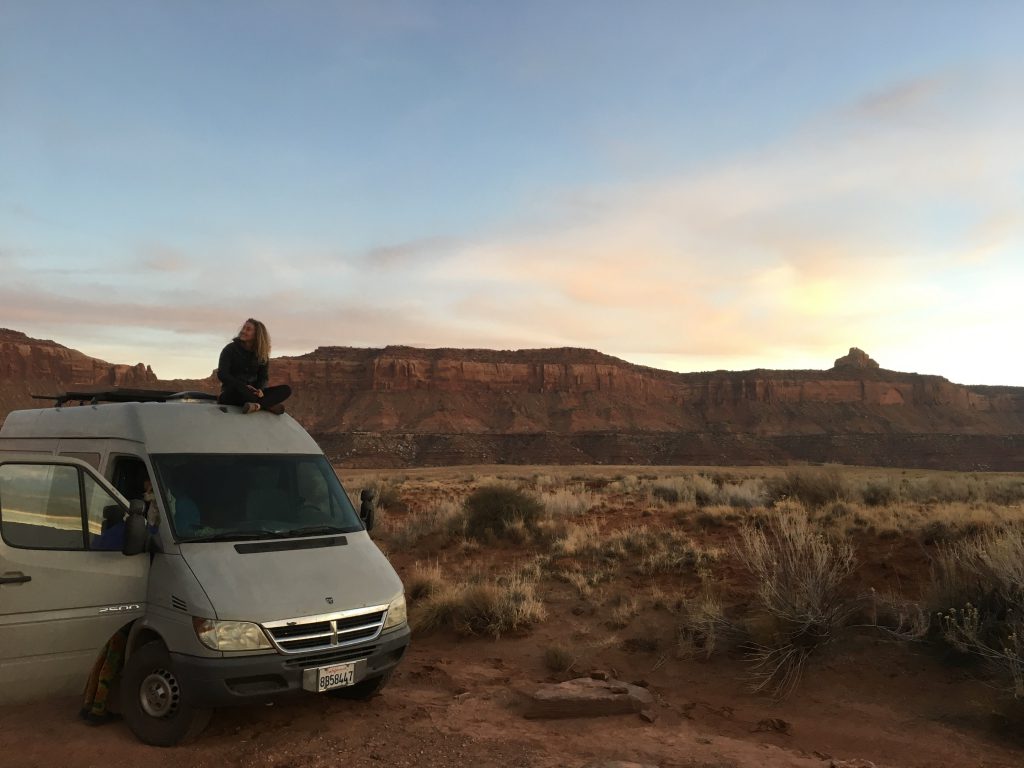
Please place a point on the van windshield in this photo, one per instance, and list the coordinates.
(217, 497)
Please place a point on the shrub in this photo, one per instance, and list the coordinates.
(1005, 491)
(388, 496)
(879, 493)
(500, 511)
(558, 659)
(705, 492)
(799, 575)
(745, 494)
(813, 489)
(979, 597)
(663, 493)
(496, 607)
(622, 613)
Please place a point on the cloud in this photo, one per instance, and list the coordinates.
(163, 258)
(402, 254)
(890, 223)
(862, 228)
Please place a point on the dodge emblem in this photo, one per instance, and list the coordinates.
(330, 600)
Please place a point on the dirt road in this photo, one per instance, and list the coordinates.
(454, 704)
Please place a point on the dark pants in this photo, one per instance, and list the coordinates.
(271, 396)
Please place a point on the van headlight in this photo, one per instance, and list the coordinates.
(396, 614)
(230, 635)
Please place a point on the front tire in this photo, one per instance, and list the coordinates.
(152, 701)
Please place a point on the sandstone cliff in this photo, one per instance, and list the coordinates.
(404, 405)
(34, 366)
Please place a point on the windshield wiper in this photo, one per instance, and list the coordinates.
(313, 530)
(258, 533)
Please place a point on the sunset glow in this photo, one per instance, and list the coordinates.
(685, 185)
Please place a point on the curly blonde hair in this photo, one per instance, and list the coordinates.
(260, 341)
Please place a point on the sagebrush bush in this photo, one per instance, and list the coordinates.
(666, 494)
(500, 511)
(799, 574)
(879, 493)
(388, 496)
(812, 488)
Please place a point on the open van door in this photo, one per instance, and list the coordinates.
(65, 586)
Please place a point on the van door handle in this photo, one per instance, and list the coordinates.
(15, 578)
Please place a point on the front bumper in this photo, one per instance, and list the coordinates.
(228, 681)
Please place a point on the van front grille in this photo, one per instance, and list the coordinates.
(332, 657)
(321, 633)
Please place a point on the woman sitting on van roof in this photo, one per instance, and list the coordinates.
(243, 372)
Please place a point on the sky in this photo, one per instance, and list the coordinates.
(687, 185)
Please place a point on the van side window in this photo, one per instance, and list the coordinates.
(128, 476)
(105, 516)
(40, 506)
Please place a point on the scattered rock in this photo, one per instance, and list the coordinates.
(774, 725)
(703, 740)
(856, 763)
(587, 697)
(598, 674)
(648, 715)
(619, 764)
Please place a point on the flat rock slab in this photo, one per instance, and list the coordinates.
(586, 697)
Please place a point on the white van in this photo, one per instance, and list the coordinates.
(250, 574)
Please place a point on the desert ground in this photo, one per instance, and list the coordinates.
(807, 616)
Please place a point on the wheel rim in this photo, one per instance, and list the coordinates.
(159, 693)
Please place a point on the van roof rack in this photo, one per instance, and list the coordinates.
(117, 395)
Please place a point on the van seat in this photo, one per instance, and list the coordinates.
(269, 504)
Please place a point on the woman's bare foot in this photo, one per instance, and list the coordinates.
(250, 407)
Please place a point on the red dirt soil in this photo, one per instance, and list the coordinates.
(453, 703)
(457, 701)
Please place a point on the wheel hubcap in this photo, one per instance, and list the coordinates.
(159, 694)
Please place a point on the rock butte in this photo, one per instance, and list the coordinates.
(405, 406)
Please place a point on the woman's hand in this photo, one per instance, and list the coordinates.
(257, 392)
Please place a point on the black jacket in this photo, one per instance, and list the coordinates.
(238, 368)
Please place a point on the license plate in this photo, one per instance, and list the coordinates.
(336, 676)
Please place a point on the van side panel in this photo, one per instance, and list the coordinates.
(52, 627)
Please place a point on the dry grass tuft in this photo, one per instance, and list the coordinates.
(558, 659)
(441, 518)
(423, 581)
(500, 606)
(568, 502)
(703, 621)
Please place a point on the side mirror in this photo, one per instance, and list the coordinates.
(366, 508)
(136, 535)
